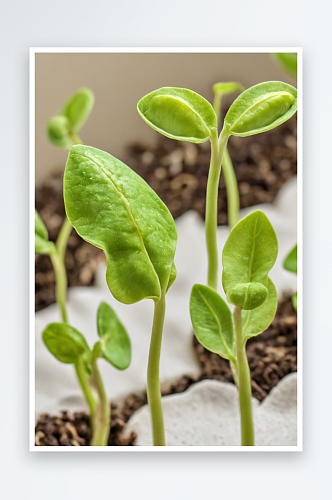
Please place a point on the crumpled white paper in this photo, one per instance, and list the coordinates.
(56, 384)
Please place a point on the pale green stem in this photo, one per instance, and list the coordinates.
(211, 211)
(86, 386)
(153, 382)
(233, 198)
(62, 240)
(74, 137)
(102, 414)
(244, 383)
(60, 284)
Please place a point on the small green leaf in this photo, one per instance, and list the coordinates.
(58, 132)
(227, 88)
(115, 343)
(172, 277)
(258, 320)
(250, 252)
(290, 263)
(78, 108)
(261, 108)
(247, 295)
(66, 343)
(180, 114)
(288, 61)
(212, 321)
(294, 300)
(113, 208)
(42, 245)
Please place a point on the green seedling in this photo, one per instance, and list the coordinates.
(113, 208)
(287, 61)
(183, 115)
(62, 131)
(68, 345)
(290, 264)
(248, 255)
(44, 246)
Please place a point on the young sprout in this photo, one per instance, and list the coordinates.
(290, 264)
(62, 132)
(248, 255)
(113, 208)
(68, 345)
(287, 61)
(186, 116)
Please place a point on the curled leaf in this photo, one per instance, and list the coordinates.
(115, 343)
(113, 208)
(179, 114)
(247, 295)
(258, 320)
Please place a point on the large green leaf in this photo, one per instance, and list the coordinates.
(288, 61)
(115, 343)
(248, 255)
(290, 263)
(212, 321)
(42, 245)
(78, 108)
(258, 320)
(179, 114)
(113, 208)
(261, 108)
(66, 343)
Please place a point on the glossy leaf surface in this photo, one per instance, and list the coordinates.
(290, 263)
(113, 208)
(42, 245)
(227, 87)
(115, 343)
(66, 343)
(261, 108)
(78, 108)
(212, 321)
(178, 113)
(249, 252)
(288, 61)
(258, 320)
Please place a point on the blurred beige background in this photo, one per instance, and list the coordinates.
(119, 81)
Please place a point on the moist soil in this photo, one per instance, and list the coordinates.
(178, 173)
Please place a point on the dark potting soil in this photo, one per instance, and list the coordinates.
(178, 173)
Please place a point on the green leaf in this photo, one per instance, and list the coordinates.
(172, 276)
(113, 208)
(42, 245)
(261, 108)
(180, 114)
(212, 321)
(258, 320)
(247, 295)
(78, 108)
(66, 343)
(227, 88)
(58, 132)
(288, 61)
(294, 300)
(115, 343)
(290, 263)
(249, 253)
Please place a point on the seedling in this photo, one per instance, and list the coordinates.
(248, 255)
(290, 264)
(113, 208)
(68, 345)
(62, 131)
(183, 115)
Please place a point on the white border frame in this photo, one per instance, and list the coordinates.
(137, 50)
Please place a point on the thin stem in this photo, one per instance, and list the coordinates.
(102, 415)
(62, 240)
(244, 383)
(153, 382)
(233, 198)
(86, 386)
(74, 137)
(60, 284)
(211, 211)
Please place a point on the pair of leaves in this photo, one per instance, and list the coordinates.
(113, 208)
(186, 116)
(42, 244)
(249, 253)
(71, 118)
(68, 345)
